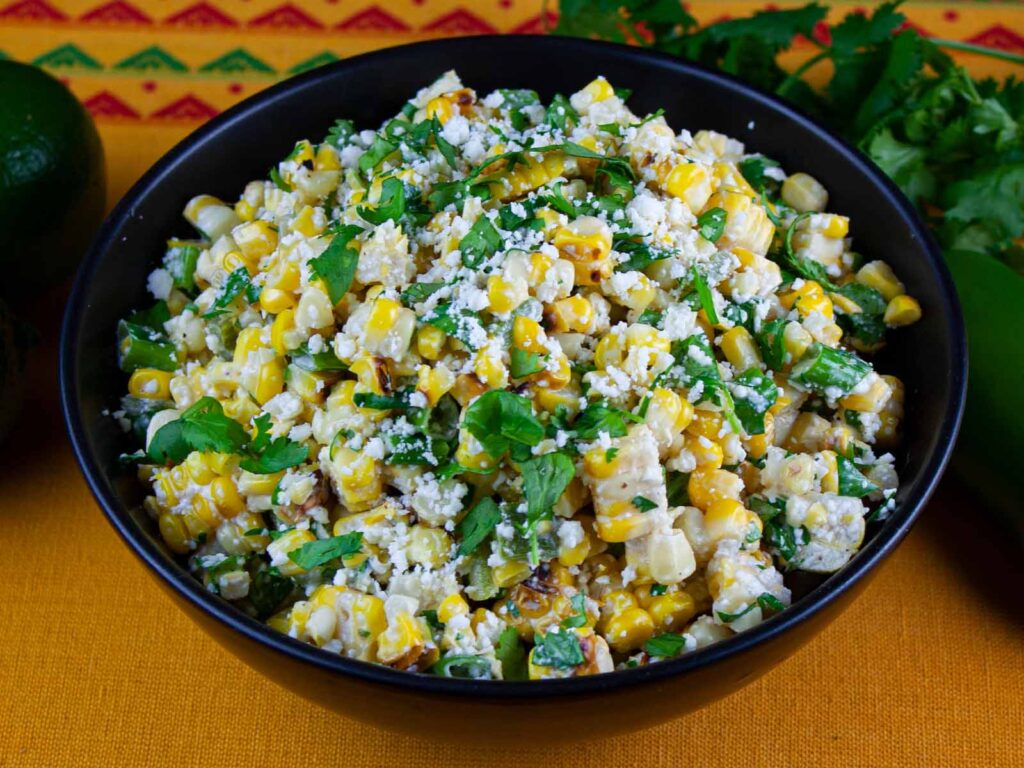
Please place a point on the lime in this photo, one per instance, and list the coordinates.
(52, 183)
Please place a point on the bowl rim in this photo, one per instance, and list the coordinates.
(191, 591)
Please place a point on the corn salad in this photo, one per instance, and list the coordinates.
(514, 390)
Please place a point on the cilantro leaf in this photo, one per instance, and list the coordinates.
(481, 242)
(558, 648)
(510, 652)
(667, 645)
(201, 427)
(336, 266)
(707, 301)
(498, 419)
(711, 224)
(477, 525)
(523, 363)
(314, 553)
(643, 504)
(852, 482)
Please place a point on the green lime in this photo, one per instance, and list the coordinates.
(52, 183)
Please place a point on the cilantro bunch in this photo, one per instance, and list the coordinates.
(954, 145)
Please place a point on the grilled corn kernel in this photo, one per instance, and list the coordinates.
(672, 611)
(255, 239)
(429, 342)
(879, 275)
(804, 193)
(902, 310)
(706, 486)
(150, 383)
(740, 349)
(629, 629)
(226, 497)
(691, 183)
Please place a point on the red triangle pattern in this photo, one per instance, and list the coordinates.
(999, 37)
(286, 16)
(460, 22)
(373, 19)
(188, 107)
(106, 104)
(917, 28)
(200, 15)
(32, 10)
(535, 26)
(116, 12)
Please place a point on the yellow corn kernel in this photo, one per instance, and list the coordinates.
(274, 300)
(540, 263)
(283, 323)
(616, 601)
(836, 226)
(441, 108)
(373, 374)
(707, 452)
(503, 295)
(830, 480)
(471, 454)
(804, 193)
(199, 468)
(428, 547)
(672, 611)
(255, 239)
(287, 542)
(599, 89)
(249, 340)
(573, 314)
(706, 486)
(610, 350)
(726, 518)
(270, 381)
(808, 433)
(808, 298)
(511, 573)
(549, 400)
(872, 400)
(326, 159)
(669, 411)
(429, 342)
(174, 533)
(402, 643)
(490, 368)
(383, 316)
(306, 223)
(879, 275)
(740, 349)
(150, 383)
(226, 497)
(706, 424)
(902, 310)
(575, 555)
(311, 387)
(252, 484)
(796, 340)
(757, 445)
(586, 242)
(233, 260)
(245, 210)
(210, 216)
(200, 519)
(450, 607)
(534, 173)
(747, 224)
(361, 479)
(691, 183)
(628, 630)
(435, 382)
(528, 335)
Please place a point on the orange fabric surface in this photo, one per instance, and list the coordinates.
(98, 668)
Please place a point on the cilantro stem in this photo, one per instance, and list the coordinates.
(983, 50)
(797, 73)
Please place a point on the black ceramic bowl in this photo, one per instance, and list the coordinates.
(242, 143)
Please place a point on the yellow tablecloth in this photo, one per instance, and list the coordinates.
(98, 668)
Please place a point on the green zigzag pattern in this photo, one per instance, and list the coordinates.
(67, 56)
(151, 59)
(324, 57)
(238, 60)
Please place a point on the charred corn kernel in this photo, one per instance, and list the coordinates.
(174, 533)
(210, 216)
(467, 388)
(531, 174)
(245, 210)
(511, 573)
(270, 381)
(255, 239)
(372, 373)
(672, 611)
(902, 310)
(628, 630)
(740, 349)
(441, 108)
(490, 368)
(796, 340)
(450, 607)
(428, 547)
(429, 342)
(402, 643)
(706, 452)
(707, 486)
(587, 243)
(876, 393)
(505, 295)
(879, 275)
(572, 314)
(691, 183)
(150, 383)
(283, 323)
(225, 496)
(804, 193)
(747, 225)
(434, 382)
(307, 223)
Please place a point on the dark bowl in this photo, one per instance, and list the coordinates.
(242, 143)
